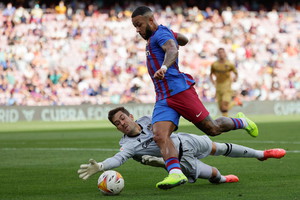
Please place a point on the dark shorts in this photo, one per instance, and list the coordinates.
(186, 104)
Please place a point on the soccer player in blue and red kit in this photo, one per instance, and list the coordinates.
(175, 94)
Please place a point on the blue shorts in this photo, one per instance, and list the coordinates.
(162, 112)
(186, 104)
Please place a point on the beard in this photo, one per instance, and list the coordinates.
(148, 33)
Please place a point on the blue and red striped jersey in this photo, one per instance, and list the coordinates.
(174, 81)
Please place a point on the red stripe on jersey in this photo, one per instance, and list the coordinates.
(151, 72)
(155, 82)
(157, 65)
(190, 77)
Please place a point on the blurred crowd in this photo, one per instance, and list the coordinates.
(67, 56)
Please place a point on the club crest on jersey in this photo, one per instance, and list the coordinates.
(146, 143)
(147, 53)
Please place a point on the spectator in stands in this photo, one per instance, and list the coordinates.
(36, 14)
(9, 10)
(61, 8)
(265, 52)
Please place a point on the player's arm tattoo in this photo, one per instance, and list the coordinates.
(171, 52)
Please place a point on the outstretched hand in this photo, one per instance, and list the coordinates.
(87, 170)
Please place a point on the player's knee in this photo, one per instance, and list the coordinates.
(213, 131)
(225, 104)
(224, 110)
(159, 138)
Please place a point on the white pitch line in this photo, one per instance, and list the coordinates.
(261, 142)
(58, 149)
(294, 151)
(80, 149)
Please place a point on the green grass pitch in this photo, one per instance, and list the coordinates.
(39, 161)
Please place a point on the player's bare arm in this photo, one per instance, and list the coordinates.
(211, 77)
(171, 54)
(181, 39)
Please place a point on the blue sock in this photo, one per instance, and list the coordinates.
(238, 123)
(172, 164)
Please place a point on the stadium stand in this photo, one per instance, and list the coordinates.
(86, 54)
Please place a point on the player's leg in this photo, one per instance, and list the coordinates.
(235, 150)
(224, 124)
(205, 171)
(216, 127)
(162, 131)
(193, 110)
(165, 121)
(225, 99)
(240, 121)
(220, 103)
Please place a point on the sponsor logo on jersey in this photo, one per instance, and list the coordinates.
(149, 127)
(146, 143)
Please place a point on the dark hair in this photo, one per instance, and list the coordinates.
(141, 10)
(112, 112)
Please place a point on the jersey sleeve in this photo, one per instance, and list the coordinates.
(119, 158)
(212, 67)
(163, 36)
